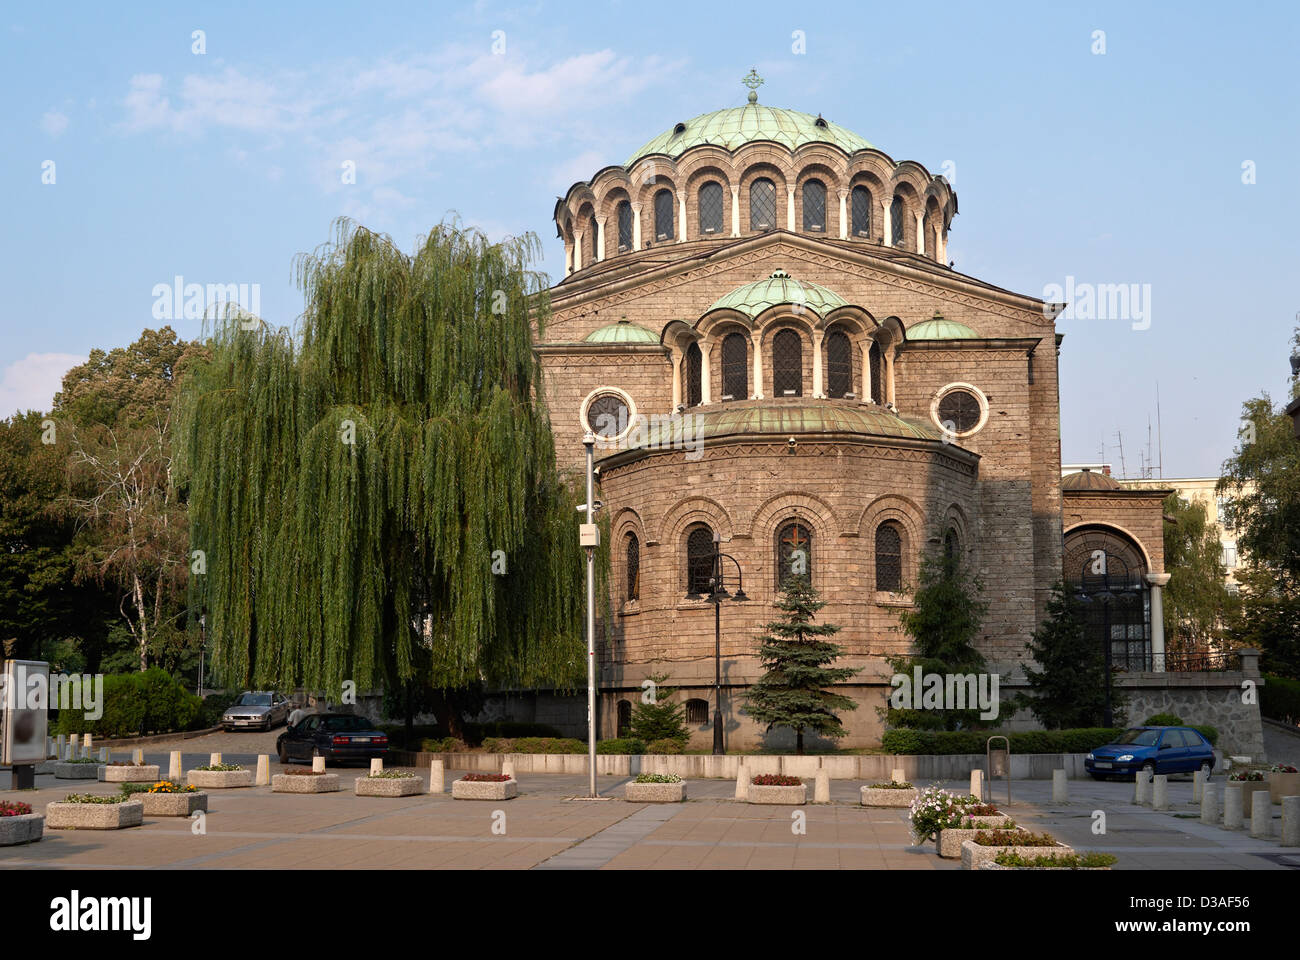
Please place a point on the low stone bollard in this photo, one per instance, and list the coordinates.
(1291, 821)
(1160, 792)
(1141, 786)
(263, 770)
(977, 783)
(896, 775)
(60, 744)
(508, 768)
(742, 782)
(1261, 815)
(437, 773)
(137, 758)
(86, 741)
(1198, 785)
(317, 764)
(103, 755)
(822, 787)
(376, 765)
(214, 759)
(1232, 799)
(1060, 787)
(1209, 805)
(174, 766)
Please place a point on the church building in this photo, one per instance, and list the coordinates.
(759, 323)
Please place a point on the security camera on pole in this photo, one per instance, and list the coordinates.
(589, 537)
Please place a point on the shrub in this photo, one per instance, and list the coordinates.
(477, 732)
(775, 780)
(1074, 861)
(1014, 838)
(220, 767)
(940, 742)
(665, 746)
(936, 809)
(485, 778)
(445, 745)
(392, 775)
(661, 719)
(213, 706)
(1279, 699)
(620, 745)
(658, 778)
(1209, 733)
(1163, 720)
(95, 798)
(891, 786)
(136, 703)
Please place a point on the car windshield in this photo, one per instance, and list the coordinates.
(1140, 738)
(344, 724)
(253, 700)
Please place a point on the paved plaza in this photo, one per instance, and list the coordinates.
(546, 828)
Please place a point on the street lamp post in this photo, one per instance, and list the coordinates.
(718, 593)
(589, 537)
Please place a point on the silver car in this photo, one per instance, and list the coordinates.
(256, 710)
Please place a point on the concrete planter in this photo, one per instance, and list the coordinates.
(290, 783)
(94, 816)
(887, 797)
(25, 829)
(172, 804)
(45, 767)
(1251, 786)
(389, 786)
(1283, 785)
(976, 857)
(655, 792)
(76, 771)
(997, 866)
(948, 842)
(484, 790)
(780, 795)
(131, 774)
(219, 779)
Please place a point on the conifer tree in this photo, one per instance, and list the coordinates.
(1070, 689)
(792, 692)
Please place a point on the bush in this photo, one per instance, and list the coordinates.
(1279, 699)
(1209, 733)
(214, 705)
(620, 745)
(942, 742)
(136, 703)
(1163, 720)
(509, 729)
(665, 746)
(534, 745)
(445, 745)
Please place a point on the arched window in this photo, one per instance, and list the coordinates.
(1106, 571)
(762, 204)
(694, 375)
(951, 547)
(839, 364)
(787, 364)
(697, 711)
(624, 716)
(814, 207)
(889, 558)
(633, 553)
(595, 236)
(897, 211)
(876, 363)
(664, 215)
(699, 560)
(861, 200)
(793, 552)
(735, 367)
(710, 208)
(624, 227)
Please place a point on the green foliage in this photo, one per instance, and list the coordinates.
(1070, 689)
(666, 746)
(620, 745)
(534, 745)
(791, 692)
(214, 705)
(661, 718)
(1197, 604)
(1279, 699)
(657, 778)
(442, 745)
(943, 624)
(944, 742)
(1163, 720)
(136, 703)
(1208, 732)
(350, 484)
(1269, 621)
(1072, 861)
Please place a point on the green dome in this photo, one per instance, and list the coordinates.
(802, 420)
(622, 332)
(737, 126)
(937, 328)
(753, 298)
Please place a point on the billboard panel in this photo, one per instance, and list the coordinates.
(24, 711)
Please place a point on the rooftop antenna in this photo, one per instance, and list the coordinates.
(1160, 441)
(1123, 468)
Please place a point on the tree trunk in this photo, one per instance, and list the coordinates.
(410, 717)
(798, 741)
(144, 624)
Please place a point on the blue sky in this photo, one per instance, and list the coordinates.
(1122, 167)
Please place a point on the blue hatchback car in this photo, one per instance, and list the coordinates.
(1161, 749)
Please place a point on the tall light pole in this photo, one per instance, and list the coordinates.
(589, 537)
(718, 593)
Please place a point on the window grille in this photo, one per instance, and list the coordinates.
(710, 208)
(839, 364)
(861, 201)
(762, 205)
(694, 375)
(896, 213)
(699, 560)
(735, 367)
(960, 409)
(889, 558)
(624, 227)
(664, 215)
(633, 567)
(793, 553)
(787, 364)
(814, 206)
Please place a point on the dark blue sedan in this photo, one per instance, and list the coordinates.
(1160, 749)
(338, 737)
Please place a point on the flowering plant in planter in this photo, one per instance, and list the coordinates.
(935, 809)
(1073, 861)
(892, 785)
(486, 778)
(1014, 838)
(1247, 776)
(775, 780)
(657, 778)
(1282, 768)
(17, 809)
(168, 786)
(220, 767)
(391, 775)
(81, 760)
(95, 798)
(300, 772)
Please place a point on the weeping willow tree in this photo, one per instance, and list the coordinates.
(376, 497)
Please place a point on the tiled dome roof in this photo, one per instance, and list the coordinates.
(937, 328)
(1089, 480)
(753, 298)
(624, 331)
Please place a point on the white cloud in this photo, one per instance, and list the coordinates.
(54, 123)
(32, 382)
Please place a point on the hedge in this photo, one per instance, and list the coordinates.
(136, 703)
(937, 742)
(1279, 699)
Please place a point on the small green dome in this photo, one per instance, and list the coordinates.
(625, 331)
(753, 298)
(736, 126)
(937, 328)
